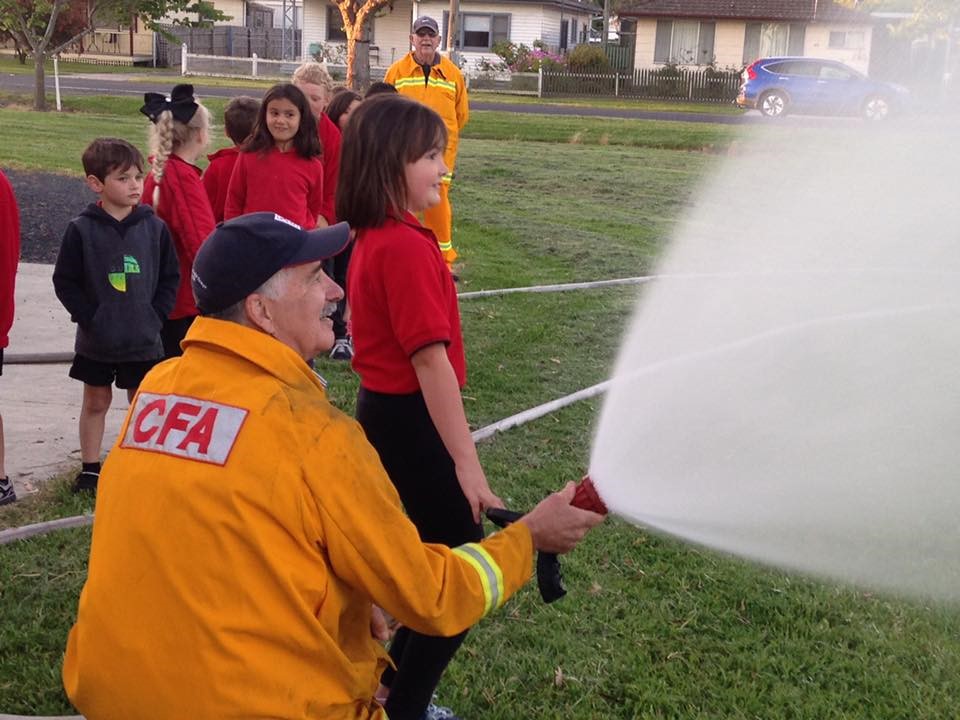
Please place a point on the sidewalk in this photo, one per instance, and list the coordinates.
(40, 403)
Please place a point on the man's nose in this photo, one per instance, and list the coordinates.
(334, 291)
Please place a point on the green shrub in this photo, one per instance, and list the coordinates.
(588, 58)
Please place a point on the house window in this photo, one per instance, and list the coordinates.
(684, 42)
(564, 26)
(482, 32)
(842, 40)
(772, 40)
(335, 31)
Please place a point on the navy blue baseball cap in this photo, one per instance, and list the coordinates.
(245, 252)
(425, 22)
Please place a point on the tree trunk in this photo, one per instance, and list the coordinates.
(361, 61)
(39, 86)
(355, 14)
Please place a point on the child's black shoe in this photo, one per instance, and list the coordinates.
(7, 493)
(86, 481)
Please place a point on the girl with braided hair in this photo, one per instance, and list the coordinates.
(179, 133)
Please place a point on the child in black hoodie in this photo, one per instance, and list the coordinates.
(117, 275)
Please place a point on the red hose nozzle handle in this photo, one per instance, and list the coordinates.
(585, 497)
(549, 577)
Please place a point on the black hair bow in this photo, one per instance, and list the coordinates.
(180, 103)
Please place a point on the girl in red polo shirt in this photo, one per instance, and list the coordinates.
(409, 355)
(279, 168)
(179, 133)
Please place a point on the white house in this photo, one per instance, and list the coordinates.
(560, 24)
(734, 33)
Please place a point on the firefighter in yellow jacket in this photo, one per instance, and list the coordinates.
(428, 77)
(246, 531)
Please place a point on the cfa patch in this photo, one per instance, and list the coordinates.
(184, 427)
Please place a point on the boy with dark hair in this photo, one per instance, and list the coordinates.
(239, 117)
(379, 88)
(117, 275)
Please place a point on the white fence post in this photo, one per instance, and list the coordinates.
(56, 80)
(616, 84)
(540, 81)
(183, 59)
(254, 56)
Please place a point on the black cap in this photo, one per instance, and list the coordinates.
(424, 21)
(245, 252)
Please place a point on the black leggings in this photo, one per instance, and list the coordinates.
(336, 268)
(421, 469)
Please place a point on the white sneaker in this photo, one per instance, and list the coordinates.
(438, 712)
(342, 349)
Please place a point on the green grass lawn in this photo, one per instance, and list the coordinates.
(651, 628)
(609, 102)
(54, 141)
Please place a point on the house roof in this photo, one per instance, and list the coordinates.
(795, 10)
(579, 6)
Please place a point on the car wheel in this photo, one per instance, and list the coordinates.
(876, 107)
(773, 104)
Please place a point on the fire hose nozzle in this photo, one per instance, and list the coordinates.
(549, 577)
(586, 497)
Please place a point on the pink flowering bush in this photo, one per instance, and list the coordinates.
(520, 58)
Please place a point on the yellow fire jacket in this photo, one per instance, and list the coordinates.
(445, 91)
(243, 528)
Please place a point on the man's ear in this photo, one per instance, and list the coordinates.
(93, 182)
(257, 309)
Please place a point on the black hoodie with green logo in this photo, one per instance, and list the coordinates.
(118, 280)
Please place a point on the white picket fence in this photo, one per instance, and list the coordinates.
(254, 67)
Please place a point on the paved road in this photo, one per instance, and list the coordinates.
(134, 85)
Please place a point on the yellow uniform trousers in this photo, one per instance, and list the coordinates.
(439, 219)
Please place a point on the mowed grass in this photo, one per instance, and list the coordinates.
(651, 628)
(54, 141)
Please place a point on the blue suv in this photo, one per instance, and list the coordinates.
(778, 85)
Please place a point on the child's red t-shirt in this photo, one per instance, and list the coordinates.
(330, 140)
(279, 182)
(185, 208)
(216, 178)
(402, 298)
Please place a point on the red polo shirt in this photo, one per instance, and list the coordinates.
(330, 140)
(277, 182)
(185, 208)
(402, 298)
(9, 255)
(216, 178)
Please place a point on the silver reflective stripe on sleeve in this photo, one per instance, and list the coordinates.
(491, 577)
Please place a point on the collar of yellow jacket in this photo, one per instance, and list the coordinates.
(442, 63)
(256, 347)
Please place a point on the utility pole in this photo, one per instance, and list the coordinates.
(606, 24)
(450, 40)
(288, 49)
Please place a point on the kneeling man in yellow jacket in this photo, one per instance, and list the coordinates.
(245, 529)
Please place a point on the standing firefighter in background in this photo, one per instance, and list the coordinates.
(426, 76)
